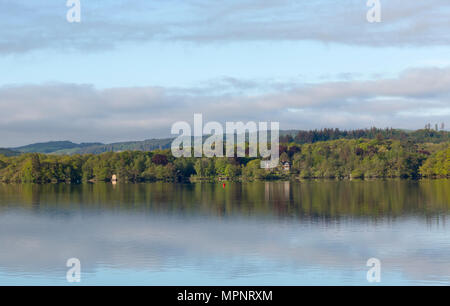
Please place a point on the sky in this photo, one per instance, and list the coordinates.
(130, 69)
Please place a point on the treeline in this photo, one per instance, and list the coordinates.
(132, 166)
(420, 136)
(354, 158)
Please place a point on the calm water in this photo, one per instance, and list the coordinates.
(245, 234)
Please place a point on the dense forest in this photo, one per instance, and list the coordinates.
(339, 159)
(426, 135)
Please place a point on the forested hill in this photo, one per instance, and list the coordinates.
(52, 146)
(67, 147)
(289, 136)
(419, 136)
(145, 145)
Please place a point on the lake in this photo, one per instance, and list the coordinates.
(261, 233)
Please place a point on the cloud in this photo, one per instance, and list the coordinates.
(81, 112)
(29, 25)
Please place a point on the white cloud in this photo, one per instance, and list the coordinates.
(80, 112)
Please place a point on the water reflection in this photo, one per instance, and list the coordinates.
(332, 199)
(258, 233)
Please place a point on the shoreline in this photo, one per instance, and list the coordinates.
(197, 181)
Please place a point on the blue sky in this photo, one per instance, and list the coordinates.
(181, 64)
(130, 69)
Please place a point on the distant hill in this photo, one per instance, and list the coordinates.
(68, 147)
(145, 145)
(286, 136)
(8, 152)
(52, 146)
